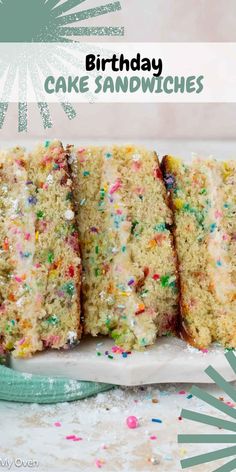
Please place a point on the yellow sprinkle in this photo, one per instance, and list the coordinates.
(36, 235)
(227, 170)
(178, 203)
(152, 243)
(129, 149)
(182, 452)
(174, 163)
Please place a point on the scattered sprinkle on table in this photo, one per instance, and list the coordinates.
(132, 422)
(156, 420)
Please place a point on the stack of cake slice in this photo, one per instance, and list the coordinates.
(203, 198)
(40, 264)
(129, 288)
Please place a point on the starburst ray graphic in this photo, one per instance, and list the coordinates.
(44, 21)
(213, 421)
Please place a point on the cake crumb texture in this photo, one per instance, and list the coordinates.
(203, 197)
(129, 285)
(40, 264)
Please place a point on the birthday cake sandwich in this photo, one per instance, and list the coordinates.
(129, 282)
(203, 198)
(40, 263)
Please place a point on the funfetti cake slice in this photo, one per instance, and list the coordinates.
(42, 307)
(203, 196)
(129, 280)
(15, 259)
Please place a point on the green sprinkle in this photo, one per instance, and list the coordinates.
(86, 173)
(69, 196)
(102, 193)
(110, 357)
(133, 226)
(69, 288)
(203, 191)
(55, 166)
(53, 320)
(123, 249)
(160, 228)
(97, 249)
(97, 272)
(50, 257)
(165, 280)
(108, 155)
(99, 353)
(47, 144)
(40, 214)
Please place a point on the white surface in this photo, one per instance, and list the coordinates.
(169, 360)
(29, 431)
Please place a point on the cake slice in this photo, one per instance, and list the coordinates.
(203, 197)
(129, 286)
(41, 307)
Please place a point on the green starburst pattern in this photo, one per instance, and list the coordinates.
(223, 424)
(44, 21)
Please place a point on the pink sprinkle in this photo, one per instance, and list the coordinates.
(115, 187)
(218, 214)
(57, 424)
(98, 463)
(153, 437)
(132, 422)
(81, 150)
(77, 439)
(225, 237)
(117, 349)
(232, 405)
(119, 212)
(205, 351)
(182, 392)
(103, 446)
(21, 341)
(18, 279)
(140, 190)
(71, 436)
(27, 236)
(136, 166)
(37, 265)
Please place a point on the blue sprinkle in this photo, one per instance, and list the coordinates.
(189, 396)
(25, 254)
(219, 263)
(86, 173)
(124, 354)
(156, 420)
(108, 155)
(32, 200)
(212, 227)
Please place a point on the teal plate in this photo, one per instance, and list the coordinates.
(27, 388)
